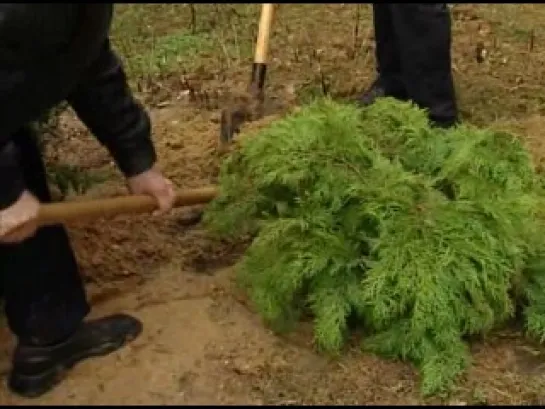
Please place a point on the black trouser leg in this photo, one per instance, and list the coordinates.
(423, 34)
(387, 51)
(44, 295)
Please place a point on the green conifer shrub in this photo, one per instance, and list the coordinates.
(419, 235)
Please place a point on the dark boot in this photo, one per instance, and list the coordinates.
(380, 89)
(37, 369)
(444, 123)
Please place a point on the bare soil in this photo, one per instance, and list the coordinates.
(202, 343)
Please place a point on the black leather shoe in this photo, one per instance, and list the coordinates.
(379, 90)
(37, 369)
(444, 123)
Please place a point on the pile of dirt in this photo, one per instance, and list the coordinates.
(127, 249)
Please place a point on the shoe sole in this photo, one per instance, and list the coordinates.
(34, 386)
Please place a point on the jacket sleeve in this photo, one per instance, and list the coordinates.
(105, 104)
(12, 181)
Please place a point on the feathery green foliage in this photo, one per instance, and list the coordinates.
(419, 235)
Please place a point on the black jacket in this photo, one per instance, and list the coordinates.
(54, 52)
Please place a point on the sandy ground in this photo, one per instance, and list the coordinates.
(202, 343)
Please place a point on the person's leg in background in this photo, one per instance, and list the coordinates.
(45, 299)
(423, 34)
(389, 81)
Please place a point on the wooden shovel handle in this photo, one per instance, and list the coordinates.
(263, 35)
(65, 212)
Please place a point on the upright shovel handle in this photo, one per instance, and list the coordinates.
(65, 212)
(259, 67)
(264, 33)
